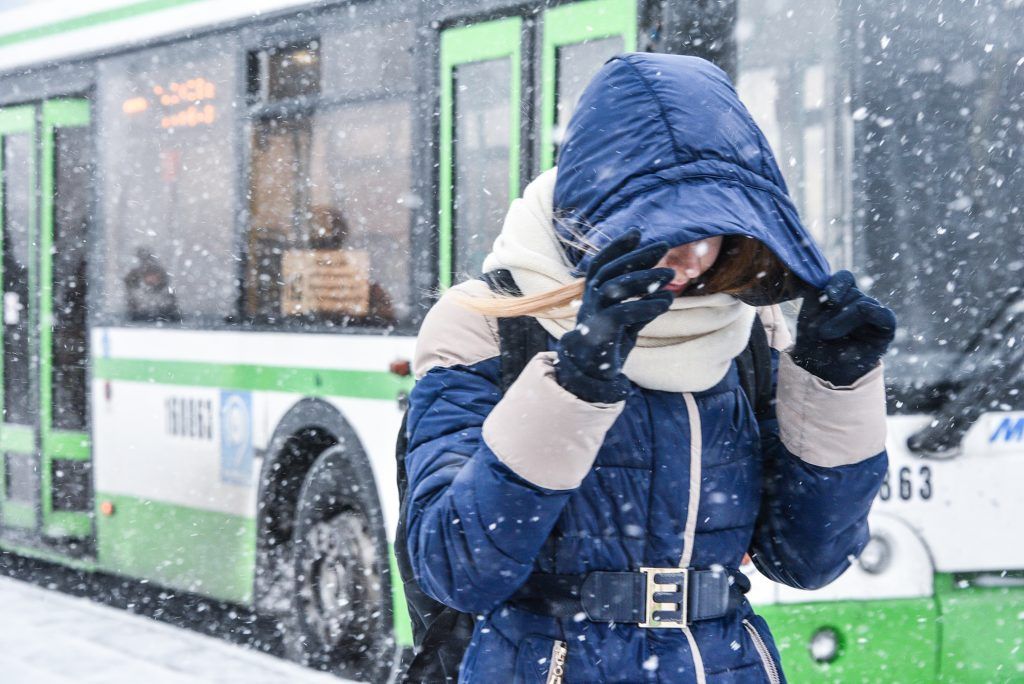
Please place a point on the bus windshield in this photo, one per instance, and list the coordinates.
(906, 122)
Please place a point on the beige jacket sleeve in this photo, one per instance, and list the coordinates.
(819, 422)
(543, 433)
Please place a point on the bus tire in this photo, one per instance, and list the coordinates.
(340, 618)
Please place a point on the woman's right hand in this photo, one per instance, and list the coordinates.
(591, 356)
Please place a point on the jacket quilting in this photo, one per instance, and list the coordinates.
(477, 530)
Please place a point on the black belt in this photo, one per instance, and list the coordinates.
(652, 597)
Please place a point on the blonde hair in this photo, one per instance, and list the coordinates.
(745, 268)
(555, 303)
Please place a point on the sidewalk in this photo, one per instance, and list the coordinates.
(50, 638)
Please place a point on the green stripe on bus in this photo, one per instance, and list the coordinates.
(75, 446)
(14, 514)
(61, 524)
(865, 629)
(92, 19)
(66, 113)
(200, 551)
(196, 550)
(20, 439)
(86, 564)
(17, 119)
(399, 607)
(310, 381)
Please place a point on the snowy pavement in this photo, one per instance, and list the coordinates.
(51, 638)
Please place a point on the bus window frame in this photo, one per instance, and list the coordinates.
(559, 28)
(21, 437)
(288, 32)
(459, 45)
(58, 443)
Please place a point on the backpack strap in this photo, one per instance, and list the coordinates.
(520, 338)
(442, 649)
(441, 633)
(755, 368)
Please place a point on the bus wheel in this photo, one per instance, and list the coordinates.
(340, 617)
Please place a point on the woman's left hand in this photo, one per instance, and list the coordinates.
(842, 334)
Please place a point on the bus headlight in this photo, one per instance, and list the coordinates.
(876, 556)
(824, 645)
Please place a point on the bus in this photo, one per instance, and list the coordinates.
(222, 223)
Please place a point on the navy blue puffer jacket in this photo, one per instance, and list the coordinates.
(677, 479)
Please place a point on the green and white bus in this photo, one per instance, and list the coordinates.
(222, 223)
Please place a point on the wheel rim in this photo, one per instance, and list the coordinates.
(341, 586)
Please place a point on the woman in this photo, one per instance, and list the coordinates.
(630, 445)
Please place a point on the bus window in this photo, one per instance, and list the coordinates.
(482, 132)
(19, 471)
(788, 79)
(576, 65)
(364, 176)
(940, 133)
(280, 73)
(369, 59)
(17, 193)
(168, 160)
(72, 150)
(331, 189)
(480, 119)
(578, 39)
(279, 159)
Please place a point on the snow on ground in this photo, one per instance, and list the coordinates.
(50, 638)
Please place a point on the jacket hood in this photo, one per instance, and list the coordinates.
(662, 143)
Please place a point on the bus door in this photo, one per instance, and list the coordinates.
(481, 88)
(45, 451)
(483, 103)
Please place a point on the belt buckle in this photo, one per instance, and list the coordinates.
(671, 613)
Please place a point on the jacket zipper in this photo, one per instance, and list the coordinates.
(692, 504)
(762, 650)
(556, 673)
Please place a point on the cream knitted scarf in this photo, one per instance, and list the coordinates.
(686, 349)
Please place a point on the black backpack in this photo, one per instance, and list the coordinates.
(440, 633)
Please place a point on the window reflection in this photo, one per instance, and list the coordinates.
(15, 212)
(168, 194)
(148, 292)
(330, 216)
(70, 340)
(482, 157)
(330, 181)
(789, 79)
(897, 127)
(575, 65)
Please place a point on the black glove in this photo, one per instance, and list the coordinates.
(590, 357)
(842, 333)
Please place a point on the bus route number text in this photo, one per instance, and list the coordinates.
(189, 417)
(905, 484)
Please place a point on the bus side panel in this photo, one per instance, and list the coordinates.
(894, 639)
(177, 465)
(982, 627)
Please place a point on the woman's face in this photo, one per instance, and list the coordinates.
(690, 261)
